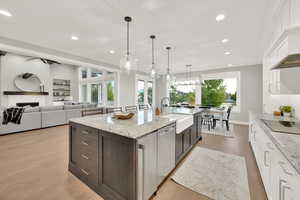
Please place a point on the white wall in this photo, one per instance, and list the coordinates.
(12, 65)
(127, 89)
(161, 90)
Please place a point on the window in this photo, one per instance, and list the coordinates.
(145, 90)
(96, 93)
(221, 90)
(150, 92)
(110, 86)
(182, 94)
(84, 93)
(96, 73)
(141, 92)
(83, 73)
(97, 86)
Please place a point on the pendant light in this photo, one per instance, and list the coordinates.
(168, 75)
(153, 72)
(127, 63)
(188, 79)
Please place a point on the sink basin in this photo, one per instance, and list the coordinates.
(182, 121)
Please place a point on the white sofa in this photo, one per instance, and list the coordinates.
(73, 111)
(31, 119)
(42, 117)
(53, 116)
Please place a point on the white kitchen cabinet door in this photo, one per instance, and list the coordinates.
(285, 180)
(295, 14)
(147, 166)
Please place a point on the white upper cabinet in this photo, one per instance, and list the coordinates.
(285, 41)
(294, 13)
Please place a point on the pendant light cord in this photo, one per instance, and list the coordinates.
(127, 38)
(168, 48)
(152, 52)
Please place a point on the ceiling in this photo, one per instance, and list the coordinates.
(189, 27)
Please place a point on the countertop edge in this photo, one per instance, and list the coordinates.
(119, 134)
(258, 118)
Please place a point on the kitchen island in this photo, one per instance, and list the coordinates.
(128, 159)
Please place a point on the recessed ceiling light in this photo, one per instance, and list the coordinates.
(225, 41)
(220, 17)
(74, 38)
(112, 52)
(227, 53)
(5, 13)
(229, 65)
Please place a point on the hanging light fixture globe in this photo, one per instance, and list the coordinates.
(168, 75)
(127, 63)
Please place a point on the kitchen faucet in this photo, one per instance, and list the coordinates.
(164, 105)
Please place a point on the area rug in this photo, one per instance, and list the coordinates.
(217, 175)
(219, 130)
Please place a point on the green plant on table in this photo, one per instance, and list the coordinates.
(286, 109)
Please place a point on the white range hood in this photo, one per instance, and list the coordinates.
(286, 53)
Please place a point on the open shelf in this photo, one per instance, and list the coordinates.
(25, 93)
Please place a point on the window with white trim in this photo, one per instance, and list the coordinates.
(97, 86)
(145, 90)
(221, 89)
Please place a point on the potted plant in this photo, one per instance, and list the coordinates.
(286, 110)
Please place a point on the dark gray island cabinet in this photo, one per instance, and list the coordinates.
(122, 164)
(188, 138)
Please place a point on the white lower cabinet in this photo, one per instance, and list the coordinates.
(280, 179)
(147, 166)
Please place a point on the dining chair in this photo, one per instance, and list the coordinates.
(131, 108)
(113, 110)
(144, 107)
(207, 119)
(92, 111)
(226, 119)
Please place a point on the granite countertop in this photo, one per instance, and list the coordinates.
(142, 123)
(288, 144)
(187, 111)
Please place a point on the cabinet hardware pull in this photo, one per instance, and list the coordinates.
(280, 188)
(265, 158)
(85, 172)
(284, 188)
(85, 132)
(142, 172)
(281, 164)
(84, 156)
(84, 143)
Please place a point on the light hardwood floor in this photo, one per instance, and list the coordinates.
(33, 166)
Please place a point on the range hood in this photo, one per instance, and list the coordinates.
(289, 61)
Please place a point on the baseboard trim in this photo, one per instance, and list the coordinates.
(239, 123)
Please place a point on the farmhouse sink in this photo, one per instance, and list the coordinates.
(182, 121)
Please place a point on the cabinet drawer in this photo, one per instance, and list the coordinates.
(88, 142)
(89, 170)
(87, 133)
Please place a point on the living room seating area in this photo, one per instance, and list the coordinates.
(43, 117)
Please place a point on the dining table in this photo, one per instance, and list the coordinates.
(220, 111)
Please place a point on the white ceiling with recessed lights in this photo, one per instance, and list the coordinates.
(189, 27)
